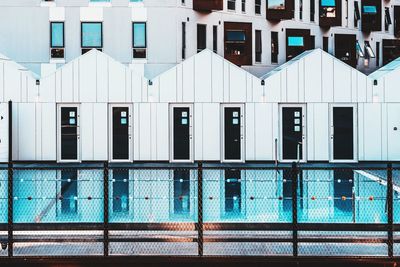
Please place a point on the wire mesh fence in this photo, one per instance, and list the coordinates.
(200, 211)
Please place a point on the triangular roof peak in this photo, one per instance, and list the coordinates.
(17, 66)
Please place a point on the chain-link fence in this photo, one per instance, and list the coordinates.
(200, 211)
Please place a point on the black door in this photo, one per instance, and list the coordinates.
(181, 133)
(120, 133)
(69, 133)
(343, 136)
(232, 133)
(292, 133)
(233, 191)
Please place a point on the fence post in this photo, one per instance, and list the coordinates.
(106, 210)
(295, 172)
(389, 199)
(200, 226)
(10, 211)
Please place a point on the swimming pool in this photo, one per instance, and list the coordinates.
(229, 195)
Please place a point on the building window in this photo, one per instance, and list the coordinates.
(91, 36)
(258, 46)
(301, 9)
(243, 6)
(378, 48)
(235, 42)
(201, 37)
(238, 43)
(312, 10)
(57, 40)
(183, 40)
(215, 39)
(276, 4)
(369, 53)
(359, 50)
(396, 17)
(357, 15)
(274, 47)
(231, 4)
(328, 8)
(325, 43)
(139, 42)
(257, 7)
(388, 19)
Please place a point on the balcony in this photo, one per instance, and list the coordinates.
(208, 5)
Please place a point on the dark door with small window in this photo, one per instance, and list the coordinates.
(181, 138)
(233, 192)
(181, 191)
(292, 133)
(69, 133)
(120, 192)
(120, 133)
(232, 129)
(343, 133)
(69, 192)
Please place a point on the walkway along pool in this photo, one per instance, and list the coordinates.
(306, 210)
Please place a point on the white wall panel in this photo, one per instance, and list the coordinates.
(26, 124)
(2, 82)
(317, 131)
(136, 87)
(217, 75)
(292, 89)
(188, 80)
(202, 77)
(341, 82)
(3, 132)
(237, 84)
(12, 83)
(250, 131)
(167, 80)
(391, 82)
(75, 88)
(116, 82)
(100, 130)
(372, 131)
(313, 77)
(48, 130)
(47, 89)
(393, 119)
(198, 131)
(86, 131)
(87, 78)
(162, 131)
(144, 131)
(273, 88)
(179, 83)
(361, 88)
(211, 131)
(327, 78)
(102, 78)
(264, 141)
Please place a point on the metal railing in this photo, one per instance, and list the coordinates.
(153, 210)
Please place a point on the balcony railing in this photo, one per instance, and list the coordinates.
(200, 210)
(208, 5)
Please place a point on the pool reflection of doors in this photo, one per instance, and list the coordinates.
(292, 135)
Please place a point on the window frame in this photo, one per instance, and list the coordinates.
(51, 34)
(144, 48)
(257, 7)
(101, 34)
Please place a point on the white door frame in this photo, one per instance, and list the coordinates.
(332, 134)
(171, 130)
(303, 106)
(78, 127)
(242, 132)
(110, 131)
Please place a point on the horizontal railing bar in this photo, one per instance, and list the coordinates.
(97, 240)
(289, 240)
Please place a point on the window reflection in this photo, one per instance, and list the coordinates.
(181, 191)
(120, 190)
(69, 192)
(233, 194)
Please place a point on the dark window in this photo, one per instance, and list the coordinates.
(312, 42)
(300, 9)
(312, 10)
(243, 5)
(183, 40)
(57, 39)
(231, 4)
(201, 37)
(330, 13)
(139, 39)
(345, 48)
(233, 192)
(238, 41)
(215, 39)
(258, 46)
(91, 36)
(274, 47)
(276, 4)
(390, 50)
(325, 43)
(120, 185)
(396, 21)
(69, 192)
(297, 41)
(181, 191)
(69, 133)
(371, 15)
(378, 48)
(257, 8)
(357, 15)
(388, 19)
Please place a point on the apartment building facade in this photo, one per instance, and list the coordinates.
(257, 35)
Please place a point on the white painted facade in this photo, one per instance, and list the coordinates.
(206, 81)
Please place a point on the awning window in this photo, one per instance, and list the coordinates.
(357, 15)
(360, 52)
(368, 50)
(388, 19)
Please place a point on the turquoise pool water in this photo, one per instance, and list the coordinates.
(324, 196)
